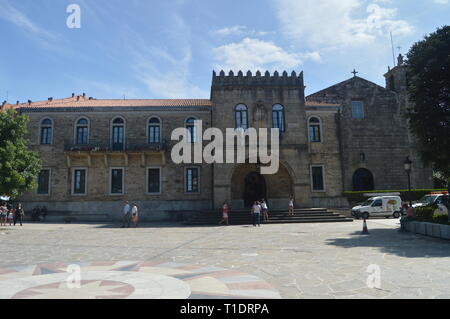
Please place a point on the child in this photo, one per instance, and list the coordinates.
(10, 217)
(134, 215)
(291, 206)
(224, 214)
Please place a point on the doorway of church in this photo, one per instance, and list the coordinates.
(255, 188)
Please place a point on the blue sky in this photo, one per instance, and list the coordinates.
(168, 49)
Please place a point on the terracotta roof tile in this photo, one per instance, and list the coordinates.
(84, 102)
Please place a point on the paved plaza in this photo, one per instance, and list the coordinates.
(172, 261)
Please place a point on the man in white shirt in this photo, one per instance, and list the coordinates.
(256, 210)
(126, 215)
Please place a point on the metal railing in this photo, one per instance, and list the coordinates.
(130, 145)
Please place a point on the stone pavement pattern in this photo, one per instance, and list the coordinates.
(291, 261)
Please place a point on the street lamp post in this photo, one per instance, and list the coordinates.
(408, 166)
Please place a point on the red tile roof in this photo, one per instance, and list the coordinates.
(80, 101)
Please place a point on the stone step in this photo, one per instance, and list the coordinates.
(287, 221)
(242, 217)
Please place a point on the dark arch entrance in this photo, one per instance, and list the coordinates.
(255, 188)
(363, 180)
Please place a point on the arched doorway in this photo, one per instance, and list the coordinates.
(254, 188)
(363, 180)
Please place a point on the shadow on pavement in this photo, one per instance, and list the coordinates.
(392, 241)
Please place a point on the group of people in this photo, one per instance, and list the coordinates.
(39, 213)
(10, 214)
(258, 208)
(130, 215)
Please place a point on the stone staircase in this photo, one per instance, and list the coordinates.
(243, 217)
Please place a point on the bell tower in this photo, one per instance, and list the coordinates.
(396, 77)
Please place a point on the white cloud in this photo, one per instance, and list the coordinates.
(12, 15)
(238, 30)
(255, 54)
(336, 23)
(441, 1)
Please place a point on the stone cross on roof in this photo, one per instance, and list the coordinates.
(354, 72)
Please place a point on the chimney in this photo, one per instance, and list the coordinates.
(50, 99)
(17, 103)
(29, 102)
(78, 98)
(73, 94)
(3, 104)
(91, 98)
(84, 95)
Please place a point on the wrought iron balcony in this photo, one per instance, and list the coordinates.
(102, 146)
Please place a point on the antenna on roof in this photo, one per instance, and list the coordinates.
(392, 45)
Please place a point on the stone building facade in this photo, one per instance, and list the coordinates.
(98, 153)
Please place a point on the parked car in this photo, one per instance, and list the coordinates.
(381, 206)
(439, 199)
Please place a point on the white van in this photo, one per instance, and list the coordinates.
(382, 206)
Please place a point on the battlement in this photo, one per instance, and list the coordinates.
(258, 80)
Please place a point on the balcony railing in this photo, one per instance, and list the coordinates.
(102, 146)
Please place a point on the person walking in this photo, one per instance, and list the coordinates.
(291, 206)
(3, 214)
(18, 214)
(134, 215)
(126, 215)
(256, 211)
(265, 210)
(10, 212)
(224, 214)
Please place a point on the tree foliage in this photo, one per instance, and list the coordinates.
(429, 90)
(18, 166)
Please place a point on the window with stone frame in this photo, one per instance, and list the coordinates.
(82, 131)
(79, 183)
(315, 130)
(154, 180)
(117, 181)
(118, 134)
(154, 130)
(192, 180)
(317, 177)
(192, 130)
(46, 133)
(358, 110)
(241, 116)
(278, 120)
(43, 181)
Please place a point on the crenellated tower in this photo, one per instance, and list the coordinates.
(263, 101)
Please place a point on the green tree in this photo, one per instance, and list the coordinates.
(18, 166)
(429, 90)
